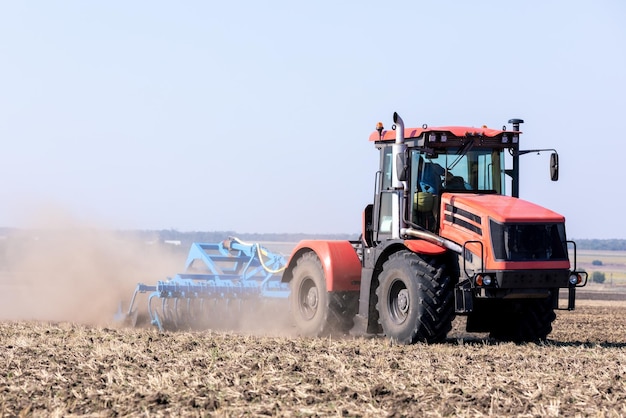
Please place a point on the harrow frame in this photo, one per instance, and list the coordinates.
(231, 271)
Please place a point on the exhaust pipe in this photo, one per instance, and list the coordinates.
(398, 186)
(397, 120)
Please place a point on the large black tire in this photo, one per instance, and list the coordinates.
(310, 302)
(523, 321)
(415, 299)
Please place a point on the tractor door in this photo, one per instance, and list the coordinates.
(424, 189)
(383, 208)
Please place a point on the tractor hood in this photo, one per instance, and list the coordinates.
(503, 209)
(513, 233)
(468, 216)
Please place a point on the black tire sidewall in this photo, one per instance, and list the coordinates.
(398, 271)
(429, 289)
(309, 269)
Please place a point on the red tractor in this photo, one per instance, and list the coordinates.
(446, 235)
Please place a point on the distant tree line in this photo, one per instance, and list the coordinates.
(601, 244)
(187, 237)
(215, 236)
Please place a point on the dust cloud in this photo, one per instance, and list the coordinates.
(60, 270)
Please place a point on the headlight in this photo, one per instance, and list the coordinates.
(483, 280)
(574, 279)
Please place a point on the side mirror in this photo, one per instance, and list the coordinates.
(401, 167)
(554, 166)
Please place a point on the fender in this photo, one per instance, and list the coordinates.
(342, 267)
(424, 247)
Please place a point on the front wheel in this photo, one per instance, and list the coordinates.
(415, 300)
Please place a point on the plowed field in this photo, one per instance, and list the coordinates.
(69, 369)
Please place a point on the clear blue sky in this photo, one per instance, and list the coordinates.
(254, 116)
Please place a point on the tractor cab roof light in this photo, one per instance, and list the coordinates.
(379, 128)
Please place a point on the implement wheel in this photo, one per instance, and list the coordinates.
(309, 299)
(415, 299)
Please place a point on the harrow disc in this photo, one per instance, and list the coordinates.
(222, 288)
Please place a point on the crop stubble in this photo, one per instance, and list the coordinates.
(65, 369)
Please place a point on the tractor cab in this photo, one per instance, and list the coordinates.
(451, 169)
(441, 162)
(417, 169)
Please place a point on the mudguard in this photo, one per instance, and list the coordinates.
(424, 247)
(342, 267)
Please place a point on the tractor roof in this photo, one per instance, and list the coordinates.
(453, 131)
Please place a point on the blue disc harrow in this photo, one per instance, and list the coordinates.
(220, 281)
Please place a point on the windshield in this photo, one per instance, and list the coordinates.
(462, 168)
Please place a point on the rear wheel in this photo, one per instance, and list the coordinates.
(415, 301)
(309, 299)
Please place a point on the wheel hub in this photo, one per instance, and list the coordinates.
(311, 298)
(399, 302)
(403, 301)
